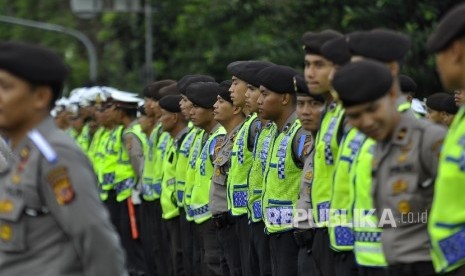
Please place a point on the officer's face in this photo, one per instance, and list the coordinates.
(156, 109)
(433, 116)
(447, 118)
(146, 123)
(309, 112)
(223, 111)
(375, 119)
(269, 104)
(449, 64)
(148, 106)
(251, 98)
(167, 120)
(201, 117)
(237, 90)
(185, 106)
(459, 97)
(18, 102)
(317, 72)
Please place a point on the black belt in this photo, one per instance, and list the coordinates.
(223, 220)
(304, 237)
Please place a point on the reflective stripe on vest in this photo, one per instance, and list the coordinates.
(182, 165)
(257, 171)
(204, 170)
(241, 162)
(326, 150)
(446, 222)
(282, 183)
(191, 173)
(368, 249)
(341, 235)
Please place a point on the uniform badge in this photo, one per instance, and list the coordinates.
(16, 179)
(61, 185)
(5, 232)
(308, 145)
(403, 207)
(308, 190)
(24, 154)
(401, 134)
(402, 157)
(308, 175)
(399, 186)
(6, 206)
(218, 145)
(218, 172)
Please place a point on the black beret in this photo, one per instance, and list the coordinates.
(34, 64)
(152, 90)
(170, 103)
(336, 50)
(362, 82)
(382, 45)
(223, 90)
(434, 101)
(203, 94)
(448, 105)
(301, 88)
(407, 84)
(236, 68)
(312, 42)
(185, 81)
(171, 89)
(452, 26)
(248, 70)
(278, 78)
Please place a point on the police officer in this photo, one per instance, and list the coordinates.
(203, 96)
(191, 245)
(317, 72)
(175, 124)
(447, 215)
(403, 187)
(51, 220)
(153, 236)
(129, 169)
(231, 117)
(284, 165)
(309, 109)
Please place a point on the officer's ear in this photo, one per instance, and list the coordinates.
(286, 99)
(43, 96)
(237, 109)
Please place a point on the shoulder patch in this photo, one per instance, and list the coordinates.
(307, 144)
(61, 185)
(44, 147)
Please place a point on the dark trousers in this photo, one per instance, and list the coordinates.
(133, 247)
(212, 254)
(174, 241)
(259, 254)
(148, 237)
(113, 208)
(228, 240)
(187, 242)
(242, 232)
(305, 262)
(322, 253)
(284, 252)
(154, 239)
(344, 264)
(413, 269)
(372, 271)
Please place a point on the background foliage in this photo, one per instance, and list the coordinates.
(203, 36)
